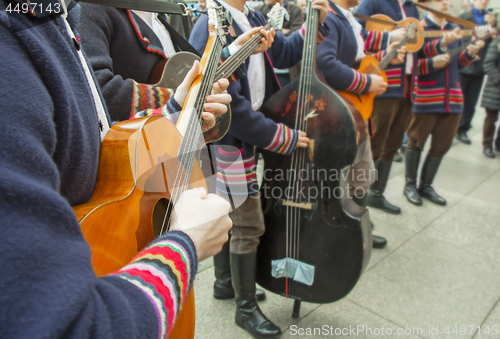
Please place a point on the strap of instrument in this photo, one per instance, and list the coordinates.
(376, 20)
(448, 17)
(161, 6)
(178, 39)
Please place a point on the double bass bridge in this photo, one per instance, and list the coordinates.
(311, 206)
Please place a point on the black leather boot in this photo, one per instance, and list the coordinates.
(223, 287)
(429, 171)
(248, 314)
(378, 241)
(412, 159)
(376, 197)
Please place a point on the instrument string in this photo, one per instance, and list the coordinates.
(188, 152)
(189, 144)
(299, 156)
(225, 69)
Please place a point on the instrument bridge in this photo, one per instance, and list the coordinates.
(303, 205)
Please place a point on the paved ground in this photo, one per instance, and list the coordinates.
(441, 268)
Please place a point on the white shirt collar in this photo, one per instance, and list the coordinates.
(233, 9)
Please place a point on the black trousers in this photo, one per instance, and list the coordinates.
(471, 87)
(489, 129)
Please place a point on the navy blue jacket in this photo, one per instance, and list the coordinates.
(337, 54)
(438, 90)
(248, 127)
(395, 73)
(48, 161)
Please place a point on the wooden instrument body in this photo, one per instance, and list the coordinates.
(335, 237)
(127, 209)
(412, 45)
(364, 102)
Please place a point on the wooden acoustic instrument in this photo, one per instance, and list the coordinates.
(370, 65)
(316, 243)
(383, 23)
(144, 166)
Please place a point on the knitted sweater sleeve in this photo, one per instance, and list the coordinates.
(338, 75)
(124, 97)
(48, 285)
(374, 41)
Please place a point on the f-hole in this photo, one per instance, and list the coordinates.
(161, 208)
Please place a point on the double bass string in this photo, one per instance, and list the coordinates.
(299, 157)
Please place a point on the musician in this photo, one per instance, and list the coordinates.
(49, 155)
(202, 6)
(471, 77)
(336, 58)
(123, 64)
(438, 114)
(303, 6)
(250, 128)
(124, 47)
(294, 12)
(491, 100)
(392, 109)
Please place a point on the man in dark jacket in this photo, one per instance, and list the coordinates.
(471, 77)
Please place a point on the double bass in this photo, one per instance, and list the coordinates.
(317, 240)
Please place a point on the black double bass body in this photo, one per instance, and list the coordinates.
(317, 240)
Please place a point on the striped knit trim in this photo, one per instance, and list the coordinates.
(456, 96)
(430, 96)
(374, 41)
(433, 48)
(148, 96)
(145, 42)
(237, 174)
(429, 100)
(359, 84)
(164, 271)
(284, 140)
(322, 32)
(231, 31)
(425, 66)
(394, 77)
(380, 55)
(464, 59)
